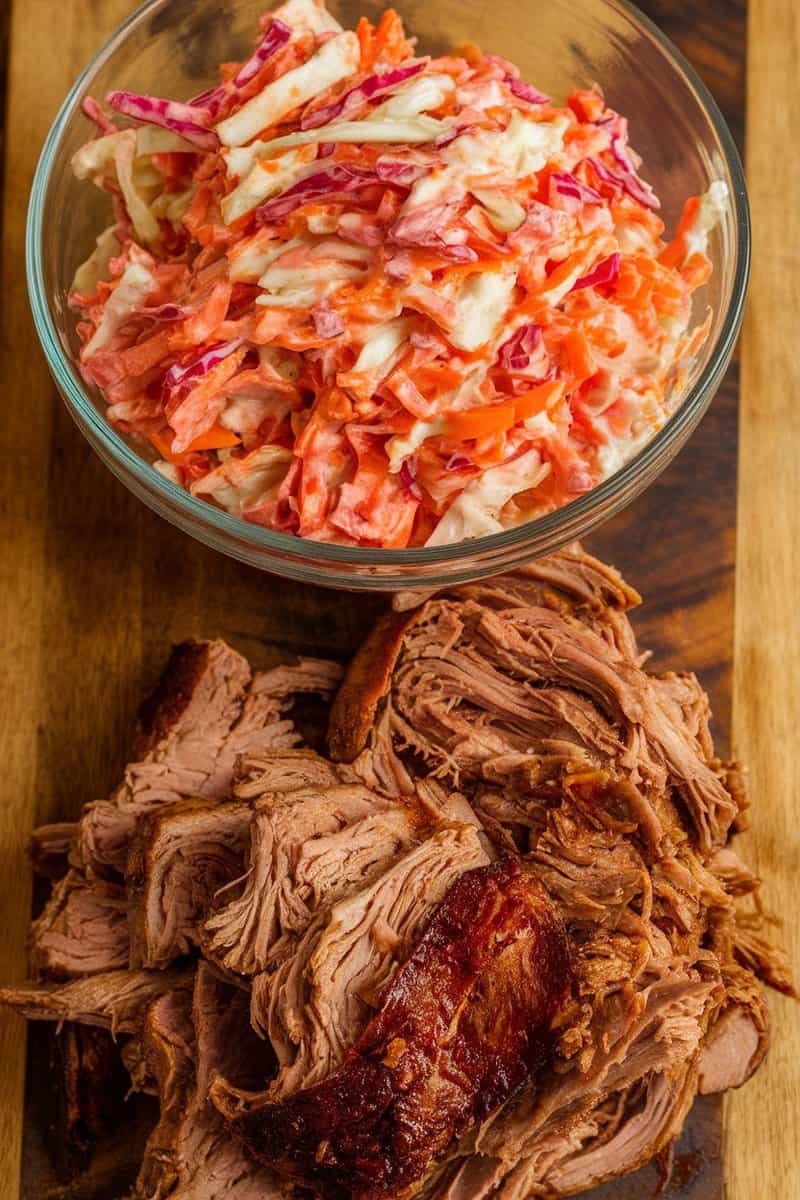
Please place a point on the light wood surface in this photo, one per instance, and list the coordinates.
(48, 43)
(763, 1120)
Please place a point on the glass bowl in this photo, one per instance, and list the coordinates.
(172, 48)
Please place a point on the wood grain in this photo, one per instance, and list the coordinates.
(24, 441)
(763, 1128)
(95, 587)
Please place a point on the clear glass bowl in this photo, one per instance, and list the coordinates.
(172, 48)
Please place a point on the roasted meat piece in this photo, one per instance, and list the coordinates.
(179, 857)
(514, 670)
(493, 955)
(467, 1018)
(207, 710)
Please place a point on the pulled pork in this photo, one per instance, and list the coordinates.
(493, 946)
(463, 1023)
(529, 694)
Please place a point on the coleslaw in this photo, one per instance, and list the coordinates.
(367, 296)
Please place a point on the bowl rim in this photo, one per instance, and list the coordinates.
(554, 528)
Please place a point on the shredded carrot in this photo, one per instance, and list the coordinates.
(216, 438)
(538, 399)
(480, 422)
(339, 338)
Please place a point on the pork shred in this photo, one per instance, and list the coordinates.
(491, 946)
(208, 708)
(404, 1090)
(529, 694)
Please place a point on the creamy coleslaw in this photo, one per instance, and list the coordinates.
(368, 296)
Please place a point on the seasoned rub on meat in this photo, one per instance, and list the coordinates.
(465, 1020)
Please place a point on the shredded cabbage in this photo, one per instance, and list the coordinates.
(334, 61)
(362, 296)
(476, 511)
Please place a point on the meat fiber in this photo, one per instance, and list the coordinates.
(256, 773)
(114, 1000)
(357, 1024)
(529, 692)
(463, 684)
(207, 710)
(308, 845)
(179, 857)
(318, 1000)
(189, 1038)
(82, 930)
(465, 1020)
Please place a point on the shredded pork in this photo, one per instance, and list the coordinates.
(320, 966)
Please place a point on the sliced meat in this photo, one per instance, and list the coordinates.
(734, 1048)
(738, 1037)
(569, 576)
(509, 716)
(82, 930)
(319, 1000)
(114, 1000)
(438, 804)
(183, 727)
(654, 1030)
(207, 710)
(465, 685)
(49, 847)
(654, 1122)
(284, 771)
(367, 681)
(203, 683)
(214, 1166)
(179, 858)
(190, 1155)
(617, 1135)
(464, 1022)
(265, 723)
(308, 847)
(591, 872)
(226, 1044)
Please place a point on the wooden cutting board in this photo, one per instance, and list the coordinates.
(94, 588)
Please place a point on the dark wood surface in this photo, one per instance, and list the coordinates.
(677, 542)
(122, 585)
